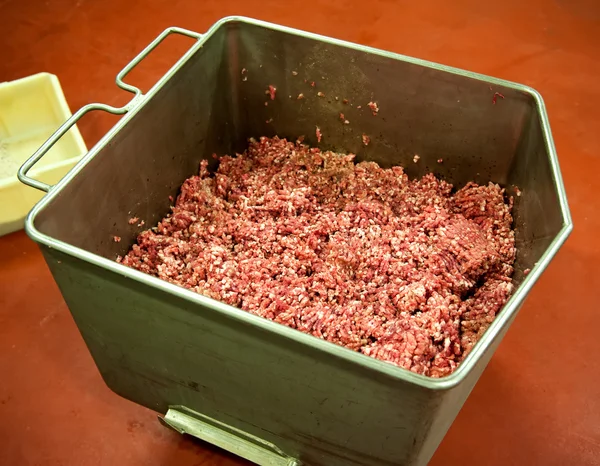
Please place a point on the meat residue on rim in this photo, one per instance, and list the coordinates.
(496, 95)
(410, 272)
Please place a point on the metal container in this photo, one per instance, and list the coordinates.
(267, 392)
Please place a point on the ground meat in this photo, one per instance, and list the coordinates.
(411, 272)
(374, 108)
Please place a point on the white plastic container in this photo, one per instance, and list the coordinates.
(31, 109)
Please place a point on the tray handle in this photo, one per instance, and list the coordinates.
(66, 126)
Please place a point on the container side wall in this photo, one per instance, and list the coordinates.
(422, 111)
(537, 214)
(159, 350)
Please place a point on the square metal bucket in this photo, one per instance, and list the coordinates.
(267, 392)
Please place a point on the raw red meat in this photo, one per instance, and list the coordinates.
(374, 108)
(406, 271)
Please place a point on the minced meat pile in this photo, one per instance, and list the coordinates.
(407, 271)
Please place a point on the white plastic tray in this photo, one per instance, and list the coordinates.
(31, 109)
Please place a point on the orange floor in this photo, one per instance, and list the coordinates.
(538, 402)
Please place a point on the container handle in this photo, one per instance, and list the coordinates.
(140, 56)
(66, 126)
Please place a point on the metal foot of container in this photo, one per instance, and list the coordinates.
(240, 443)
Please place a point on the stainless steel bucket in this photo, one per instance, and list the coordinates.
(262, 390)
